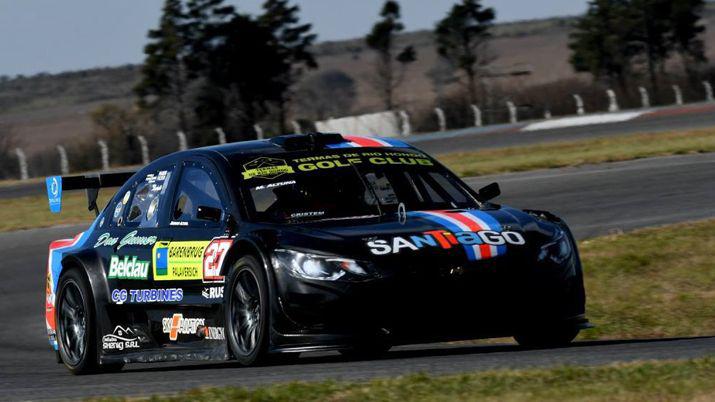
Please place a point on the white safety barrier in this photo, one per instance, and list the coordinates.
(221, 135)
(612, 101)
(22, 162)
(678, 95)
(406, 127)
(441, 119)
(183, 146)
(513, 113)
(708, 91)
(144, 148)
(385, 124)
(259, 131)
(104, 153)
(477, 116)
(645, 99)
(64, 161)
(296, 127)
(580, 107)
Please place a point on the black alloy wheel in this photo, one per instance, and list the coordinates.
(247, 311)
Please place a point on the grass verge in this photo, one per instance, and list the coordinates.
(575, 153)
(641, 381)
(656, 282)
(34, 211)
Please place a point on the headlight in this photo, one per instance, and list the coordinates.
(317, 267)
(557, 250)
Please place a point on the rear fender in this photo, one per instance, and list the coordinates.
(90, 263)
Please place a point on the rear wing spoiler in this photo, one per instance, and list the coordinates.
(91, 183)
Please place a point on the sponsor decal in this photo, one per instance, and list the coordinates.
(274, 185)
(213, 333)
(127, 267)
(120, 339)
(213, 259)
(179, 261)
(190, 260)
(478, 233)
(266, 168)
(214, 292)
(54, 193)
(159, 177)
(322, 162)
(178, 325)
(171, 295)
(131, 239)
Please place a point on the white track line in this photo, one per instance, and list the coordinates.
(584, 120)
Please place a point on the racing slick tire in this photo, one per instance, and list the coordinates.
(75, 318)
(246, 309)
(548, 338)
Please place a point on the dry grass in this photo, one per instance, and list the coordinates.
(641, 381)
(652, 283)
(34, 212)
(563, 154)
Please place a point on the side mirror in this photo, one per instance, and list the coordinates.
(489, 192)
(208, 214)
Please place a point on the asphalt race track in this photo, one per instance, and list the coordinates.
(666, 119)
(594, 199)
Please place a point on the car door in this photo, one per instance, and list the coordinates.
(189, 254)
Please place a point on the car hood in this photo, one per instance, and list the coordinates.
(470, 235)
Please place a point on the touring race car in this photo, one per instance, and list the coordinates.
(266, 249)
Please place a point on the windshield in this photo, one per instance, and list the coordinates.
(337, 184)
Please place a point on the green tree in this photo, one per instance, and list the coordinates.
(292, 41)
(601, 42)
(651, 35)
(381, 39)
(241, 79)
(200, 21)
(462, 38)
(164, 74)
(687, 34)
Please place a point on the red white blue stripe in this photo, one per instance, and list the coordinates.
(354, 141)
(467, 221)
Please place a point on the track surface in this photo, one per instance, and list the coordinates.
(666, 119)
(594, 199)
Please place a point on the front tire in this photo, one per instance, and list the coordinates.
(246, 311)
(76, 324)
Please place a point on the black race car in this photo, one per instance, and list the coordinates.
(266, 249)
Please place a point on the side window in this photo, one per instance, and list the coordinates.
(196, 189)
(119, 207)
(143, 211)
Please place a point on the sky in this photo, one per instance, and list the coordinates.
(60, 35)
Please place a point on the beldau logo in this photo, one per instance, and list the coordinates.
(178, 325)
(120, 339)
(128, 268)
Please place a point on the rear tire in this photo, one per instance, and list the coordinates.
(246, 309)
(550, 338)
(76, 329)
